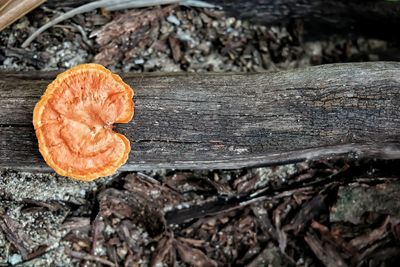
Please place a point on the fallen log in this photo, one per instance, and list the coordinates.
(225, 121)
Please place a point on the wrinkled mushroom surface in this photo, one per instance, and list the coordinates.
(73, 122)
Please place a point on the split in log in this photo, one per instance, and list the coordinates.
(225, 121)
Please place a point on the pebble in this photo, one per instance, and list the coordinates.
(15, 259)
(139, 61)
(173, 20)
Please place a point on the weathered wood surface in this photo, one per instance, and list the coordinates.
(232, 120)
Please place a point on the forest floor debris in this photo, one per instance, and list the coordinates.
(173, 38)
(297, 214)
(204, 218)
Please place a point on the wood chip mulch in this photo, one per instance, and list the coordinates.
(330, 213)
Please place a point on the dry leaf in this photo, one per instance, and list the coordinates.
(193, 256)
(165, 254)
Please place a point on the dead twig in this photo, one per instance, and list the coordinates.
(324, 252)
(11, 233)
(10, 11)
(4, 4)
(88, 257)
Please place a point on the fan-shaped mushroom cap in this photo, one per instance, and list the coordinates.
(73, 122)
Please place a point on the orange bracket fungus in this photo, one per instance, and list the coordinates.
(74, 118)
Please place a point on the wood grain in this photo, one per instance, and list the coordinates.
(14, 10)
(232, 120)
(4, 4)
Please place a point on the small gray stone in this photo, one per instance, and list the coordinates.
(173, 20)
(139, 61)
(14, 259)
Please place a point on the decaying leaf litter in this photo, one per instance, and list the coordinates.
(172, 38)
(297, 214)
(316, 213)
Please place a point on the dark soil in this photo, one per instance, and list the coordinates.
(338, 212)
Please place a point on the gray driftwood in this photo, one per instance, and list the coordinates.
(232, 120)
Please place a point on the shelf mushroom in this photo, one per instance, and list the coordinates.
(73, 122)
